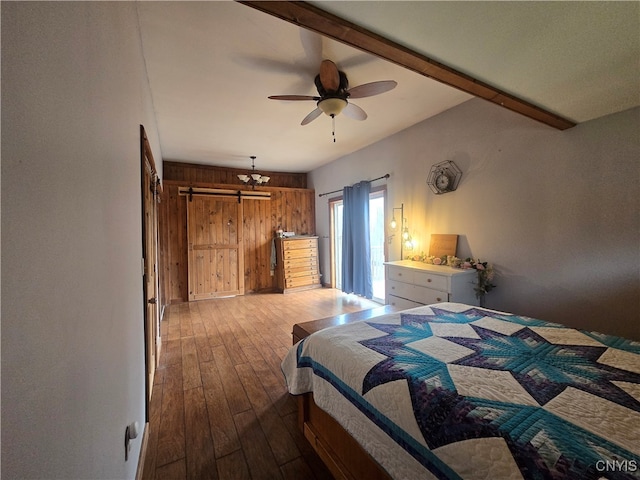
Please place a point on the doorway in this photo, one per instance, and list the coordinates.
(150, 285)
(377, 201)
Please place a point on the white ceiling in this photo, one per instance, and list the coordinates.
(212, 65)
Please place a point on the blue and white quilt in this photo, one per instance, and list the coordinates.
(454, 391)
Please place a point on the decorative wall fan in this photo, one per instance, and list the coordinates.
(334, 92)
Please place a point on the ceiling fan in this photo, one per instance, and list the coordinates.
(334, 91)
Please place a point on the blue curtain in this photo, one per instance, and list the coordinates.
(356, 245)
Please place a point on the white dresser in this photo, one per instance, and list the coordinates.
(411, 284)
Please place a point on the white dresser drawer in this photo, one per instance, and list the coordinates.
(426, 295)
(431, 280)
(400, 289)
(402, 303)
(400, 274)
(416, 293)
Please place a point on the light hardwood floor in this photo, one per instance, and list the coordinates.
(219, 407)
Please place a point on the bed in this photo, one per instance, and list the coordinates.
(456, 391)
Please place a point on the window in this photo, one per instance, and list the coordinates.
(377, 200)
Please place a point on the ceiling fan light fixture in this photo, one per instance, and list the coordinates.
(332, 106)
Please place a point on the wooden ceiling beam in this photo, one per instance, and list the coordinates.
(313, 18)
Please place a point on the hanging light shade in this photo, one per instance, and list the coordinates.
(394, 223)
(408, 243)
(253, 178)
(332, 106)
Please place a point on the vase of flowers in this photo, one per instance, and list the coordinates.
(485, 274)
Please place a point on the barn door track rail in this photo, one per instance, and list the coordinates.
(221, 192)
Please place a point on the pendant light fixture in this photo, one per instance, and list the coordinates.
(253, 178)
(406, 241)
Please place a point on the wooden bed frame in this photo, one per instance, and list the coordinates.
(343, 456)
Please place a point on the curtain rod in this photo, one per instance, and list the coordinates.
(336, 191)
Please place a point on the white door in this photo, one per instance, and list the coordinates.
(149, 184)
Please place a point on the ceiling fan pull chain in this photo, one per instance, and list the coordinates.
(333, 127)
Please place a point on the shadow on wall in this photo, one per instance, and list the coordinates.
(582, 309)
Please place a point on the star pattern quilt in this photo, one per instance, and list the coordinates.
(455, 391)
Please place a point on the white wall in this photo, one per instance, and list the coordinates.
(555, 212)
(74, 92)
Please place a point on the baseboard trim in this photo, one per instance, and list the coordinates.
(143, 452)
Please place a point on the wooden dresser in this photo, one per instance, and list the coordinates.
(411, 284)
(297, 264)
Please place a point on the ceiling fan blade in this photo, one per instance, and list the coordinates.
(355, 112)
(329, 76)
(312, 46)
(311, 117)
(294, 97)
(371, 89)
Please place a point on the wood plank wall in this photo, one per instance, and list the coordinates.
(194, 173)
(291, 208)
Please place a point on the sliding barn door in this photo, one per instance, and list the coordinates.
(215, 254)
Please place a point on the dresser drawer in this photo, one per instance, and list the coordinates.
(431, 280)
(400, 274)
(416, 293)
(302, 253)
(300, 262)
(427, 295)
(402, 303)
(300, 271)
(400, 289)
(303, 281)
(290, 245)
